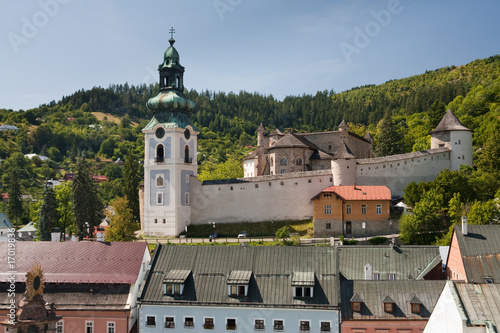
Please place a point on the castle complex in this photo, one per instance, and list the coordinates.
(282, 175)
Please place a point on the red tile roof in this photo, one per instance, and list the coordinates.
(75, 262)
(358, 192)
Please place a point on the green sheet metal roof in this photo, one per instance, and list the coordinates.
(170, 120)
(406, 262)
(480, 250)
(372, 295)
(271, 267)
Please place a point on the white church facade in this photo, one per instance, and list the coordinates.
(173, 198)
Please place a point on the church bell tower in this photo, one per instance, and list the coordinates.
(170, 152)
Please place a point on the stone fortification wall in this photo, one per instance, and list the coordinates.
(264, 198)
(397, 171)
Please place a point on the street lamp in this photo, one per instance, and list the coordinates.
(87, 229)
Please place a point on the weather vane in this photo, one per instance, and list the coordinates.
(172, 31)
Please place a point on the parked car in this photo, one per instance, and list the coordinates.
(243, 234)
(214, 235)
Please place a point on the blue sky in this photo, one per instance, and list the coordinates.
(51, 48)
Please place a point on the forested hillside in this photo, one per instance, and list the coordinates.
(76, 125)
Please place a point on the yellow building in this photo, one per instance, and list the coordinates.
(355, 211)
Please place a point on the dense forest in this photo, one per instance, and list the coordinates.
(104, 124)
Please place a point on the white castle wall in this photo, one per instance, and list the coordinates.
(264, 198)
(397, 171)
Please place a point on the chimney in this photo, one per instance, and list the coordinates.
(464, 226)
(368, 272)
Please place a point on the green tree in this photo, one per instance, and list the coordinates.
(483, 212)
(427, 221)
(489, 157)
(389, 137)
(64, 197)
(131, 183)
(87, 205)
(436, 113)
(15, 207)
(122, 226)
(48, 214)
(231, 168)
(283, 233)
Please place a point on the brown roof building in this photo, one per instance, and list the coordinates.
(352, 211)
(93, 285)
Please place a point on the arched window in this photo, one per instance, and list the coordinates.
(187, 159)
(160, 154)
(159, 181)
(178, 82)
(299, 161)
(283, 161)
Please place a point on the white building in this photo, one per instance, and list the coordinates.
(173, 198)
(241, 289)
(466, 308)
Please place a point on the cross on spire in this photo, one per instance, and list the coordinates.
(172, 32)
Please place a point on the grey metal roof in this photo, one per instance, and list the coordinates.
(449, 122)
(401, 293)
(177, 276)
(343, 152)
(5, 222)
(480, 250)
(481, 302)
(400, 157)
(239, 277)
(303, 279)
(272, 269)
(406, 262)
(291, 140)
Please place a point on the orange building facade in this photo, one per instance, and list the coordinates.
(355, 211)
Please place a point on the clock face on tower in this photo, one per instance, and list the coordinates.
(187, 134)
(160, 132)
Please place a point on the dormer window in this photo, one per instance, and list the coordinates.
(174, 282)
(388, 304)
(415, 304)
(488, 279)
(356, 301)
(238, 282)
(303, 284)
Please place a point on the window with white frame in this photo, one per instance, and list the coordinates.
(111, 327)
(89, 327)
(379, 209)
(392, 276)
(259, 325)
(325, 326)
(230, 324)
(327, 209)
(303, 292)
(150, 321)
(60, 326)
(305, 326)
(363, 209)
(237, 290)
(278, 325)
(159, 198)
(376, 276)
(348, 209)
(188, 322)
(208, 323)
(169, 322)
